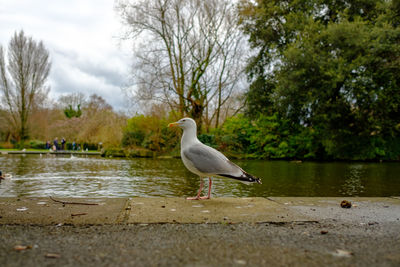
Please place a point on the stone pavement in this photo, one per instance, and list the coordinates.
(276, 231)
(45, 211)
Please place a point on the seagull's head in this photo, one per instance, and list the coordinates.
(185, 123)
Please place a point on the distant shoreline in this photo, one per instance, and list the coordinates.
(145, 153)
(60, 152)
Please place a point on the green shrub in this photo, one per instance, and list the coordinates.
(36, 144)
(6, 145)
(89, 146)
(236, 134)
(113, 152)
(208, 139)
(133, 138)
(151, 133)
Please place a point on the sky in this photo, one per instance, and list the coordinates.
(82, 37)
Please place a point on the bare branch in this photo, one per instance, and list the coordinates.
(22, 81)
(192, 52)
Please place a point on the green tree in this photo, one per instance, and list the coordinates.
(329, 66)
(68, 103)
(70, 112)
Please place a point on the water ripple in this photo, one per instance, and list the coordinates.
(67, 176)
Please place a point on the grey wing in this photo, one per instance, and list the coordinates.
(210, 161)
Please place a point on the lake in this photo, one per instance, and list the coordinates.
(92, 176)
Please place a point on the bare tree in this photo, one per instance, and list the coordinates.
(188, 53)
(22, 80)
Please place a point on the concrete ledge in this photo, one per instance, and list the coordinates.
(44, 211)
(363, 210)
(216, 210)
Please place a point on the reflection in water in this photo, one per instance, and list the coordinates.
(353, 183)
(94, 177)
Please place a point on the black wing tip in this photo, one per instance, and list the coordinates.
(252, 178)
(245, 177)
(255, 180)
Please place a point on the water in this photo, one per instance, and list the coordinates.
(66, 176)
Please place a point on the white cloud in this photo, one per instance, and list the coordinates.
(82, 37)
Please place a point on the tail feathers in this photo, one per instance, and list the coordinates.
(245, 177)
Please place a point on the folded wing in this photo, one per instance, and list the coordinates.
(212, 162)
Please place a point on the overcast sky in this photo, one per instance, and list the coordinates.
(82, 37)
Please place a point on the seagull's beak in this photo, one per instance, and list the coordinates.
(173, 124)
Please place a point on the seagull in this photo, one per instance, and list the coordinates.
(206, 161)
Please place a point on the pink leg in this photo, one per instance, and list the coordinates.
(198, 193)
(209, 189)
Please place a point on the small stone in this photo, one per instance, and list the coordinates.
(345, 204)
(241, 262)
(22, 209)
(343, 253)
(20, 247)
(52, 255)
(324, 232)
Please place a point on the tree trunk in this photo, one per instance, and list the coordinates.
(197, 114)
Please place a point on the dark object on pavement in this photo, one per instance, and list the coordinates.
(345, 204)
(52, 255)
